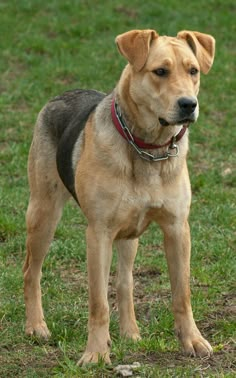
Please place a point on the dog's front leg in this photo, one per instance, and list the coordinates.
(99, 254)
(177, 248)
(127, 250)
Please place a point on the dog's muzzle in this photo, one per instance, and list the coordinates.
(186, 114)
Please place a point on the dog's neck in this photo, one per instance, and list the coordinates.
(138, 144)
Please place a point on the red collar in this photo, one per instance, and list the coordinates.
(126, 134)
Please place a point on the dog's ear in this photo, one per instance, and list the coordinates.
(203, 46)
(134, 46)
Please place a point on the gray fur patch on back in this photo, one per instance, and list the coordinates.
(71, 106)
(64, 118)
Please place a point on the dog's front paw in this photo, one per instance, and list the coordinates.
(39, 330)
(98, 347)
(193, 344)
(197, 346)
(94, 358)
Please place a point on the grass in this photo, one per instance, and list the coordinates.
(47, 48)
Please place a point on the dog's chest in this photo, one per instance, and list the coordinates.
(139, 207)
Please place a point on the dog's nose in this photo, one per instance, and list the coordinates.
(187, 105)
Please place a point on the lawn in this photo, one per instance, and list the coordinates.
(47, 48)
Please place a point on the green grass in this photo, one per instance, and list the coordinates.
(47, 48)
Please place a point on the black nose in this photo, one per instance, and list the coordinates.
(187, 105)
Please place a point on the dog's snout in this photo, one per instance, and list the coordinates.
(187, 105)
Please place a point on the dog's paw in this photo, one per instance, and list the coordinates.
(194, 345)
(39, 330)
(135, 336)
(129, 330)
(94, 358)
(197, 346)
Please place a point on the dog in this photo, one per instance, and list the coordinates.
(122, 157)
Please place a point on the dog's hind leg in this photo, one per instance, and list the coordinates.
(127, 250)
(47, 198)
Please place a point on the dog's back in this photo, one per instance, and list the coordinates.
(69, 111)
(63, 120)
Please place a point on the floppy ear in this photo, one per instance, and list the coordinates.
(134, 46)
(203, 46)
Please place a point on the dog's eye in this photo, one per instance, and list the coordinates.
(160, 72)
(193, 71)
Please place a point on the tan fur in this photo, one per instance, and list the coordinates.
(120, 194)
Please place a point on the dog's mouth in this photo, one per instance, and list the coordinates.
(163, 122)
(183, 121)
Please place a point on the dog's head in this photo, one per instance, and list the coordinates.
(166, 72)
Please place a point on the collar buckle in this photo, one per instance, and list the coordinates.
(173, 146)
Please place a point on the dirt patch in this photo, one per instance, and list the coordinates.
(147, 272)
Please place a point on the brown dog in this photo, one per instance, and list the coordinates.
(123, 158)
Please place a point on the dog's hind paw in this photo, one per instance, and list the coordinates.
(94, 358)
(39, 330)
(135, 336)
